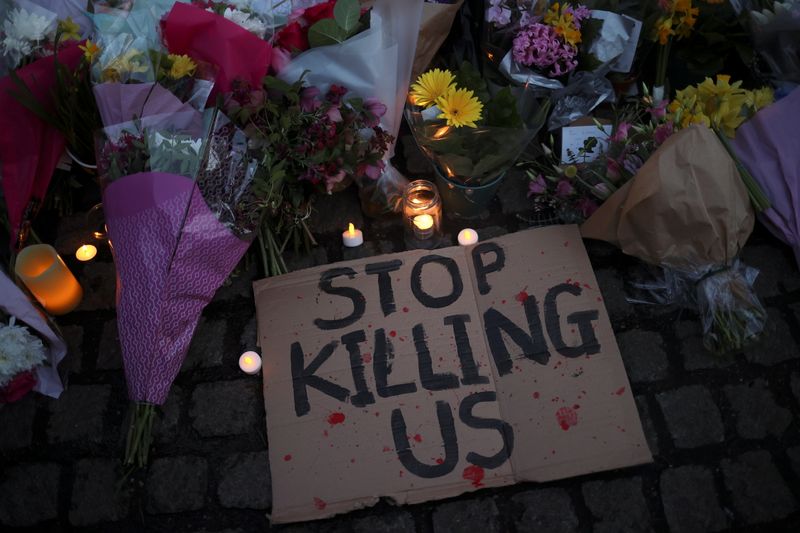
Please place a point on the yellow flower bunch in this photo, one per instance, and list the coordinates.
(563, 22)
(718, 104)
(69, 30)
(130, 62)
(678, 20)
(460, 107)
(90, 50)
(181, 65)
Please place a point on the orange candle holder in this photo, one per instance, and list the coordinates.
(47, 277)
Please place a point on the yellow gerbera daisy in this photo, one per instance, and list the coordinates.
(182, 65)
(460, 107)
(430, 86)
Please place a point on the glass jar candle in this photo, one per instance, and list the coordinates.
(422, 215)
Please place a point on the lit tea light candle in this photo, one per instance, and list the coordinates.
(250, 363)
(48, 278)
(352, 237)
(423, 227)
(86, 252)
(467, 236)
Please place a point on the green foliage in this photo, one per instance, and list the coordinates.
(345, 24)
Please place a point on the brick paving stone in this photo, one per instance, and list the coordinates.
(95, 497)
(176, 484)
(29, 494)
(690, 500)
(513, 193)
(467, 516)
(776, 345)
(776, 273)
(16, 421)
(613, 291)
(207, 347)
(794, 457)
(240, 283)
(695, 356)
(332, 212)
(73, 336)
(109, 356)
(795, 384)
(318, 256)
(643, 355)
(618, 505)
(225, 407)
(165, 428)
(245, 481)
(548, 510)
(692, 416)
(98, 291)
(395, 522)
(77, 416)
(249, 338)
(757, 414)
(757, 488)
(490, 232)
(647, 424)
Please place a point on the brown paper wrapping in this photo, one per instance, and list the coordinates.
(433, 30)
(687, 206)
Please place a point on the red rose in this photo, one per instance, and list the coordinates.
(292, 38)
(18, 387)
(319, 12)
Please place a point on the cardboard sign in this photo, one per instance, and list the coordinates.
(426, 374)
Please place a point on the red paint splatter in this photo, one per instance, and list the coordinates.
(335, 418)
(439, 461)
(599, 299)
(299, 297)
(386, 449)
(566, 243)
(377, 413)
(567, 417)
(502, 301)
(620, 391)
(576, 406)
(522, 296)
(393, 333)
(287, 457)
(473, 473)
(405, 309)
(535, 395)
(319, 503)
(587, 286)
(352, 460)
(325, 432)
(418, 437)
(367, 357)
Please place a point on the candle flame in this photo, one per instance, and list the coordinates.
(351, 229)
(248, 360)
(86, 252)
(423, 221)
(441, 132)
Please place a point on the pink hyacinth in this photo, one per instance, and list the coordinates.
(538, 45)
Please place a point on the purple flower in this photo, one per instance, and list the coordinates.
(564, 188)
(613, 170)
(375, 109)
(663, 132)
(498, 14)
(586, 206)
(537, 186)
(659, 110)
(308, 99)
(331, 180)
(601, 190)
(622, 132)
(538, 45)
(579, 14)
(632, 163)
(333, 114)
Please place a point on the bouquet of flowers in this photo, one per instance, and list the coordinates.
(775, 29)
(675, 21)
(241, 14)
(470, 136)
(305, 141)
(26, 362)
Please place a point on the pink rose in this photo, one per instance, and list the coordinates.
(18, 387)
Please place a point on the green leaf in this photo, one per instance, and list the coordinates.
(347, 13)
(501, 111)
(326, 32)
(271, 82)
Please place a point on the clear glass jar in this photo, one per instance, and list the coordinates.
(422, 215)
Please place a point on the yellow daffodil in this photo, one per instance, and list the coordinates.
(430, 86)
(90, 50)
(182, 65)
(69, 30)
(130, 62)
(460, 107)
(664, 30)
(563, 23)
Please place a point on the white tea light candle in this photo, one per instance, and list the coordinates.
(352, 237)
(467, 236)
(250, 363)
(86, 252)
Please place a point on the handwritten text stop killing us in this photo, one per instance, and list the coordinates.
(488, 260)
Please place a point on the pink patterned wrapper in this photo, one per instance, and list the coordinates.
(171, 254)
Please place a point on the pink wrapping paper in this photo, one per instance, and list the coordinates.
(202, 35)
(29, 148)
(171, 254)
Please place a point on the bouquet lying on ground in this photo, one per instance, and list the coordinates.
(470, 135)
(305, 141)
(688, 211)
(30, 351)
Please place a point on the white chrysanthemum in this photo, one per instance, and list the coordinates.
(19, 351)
(22, 24)
(247, 21)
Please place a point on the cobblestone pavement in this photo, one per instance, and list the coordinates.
(725, 433)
